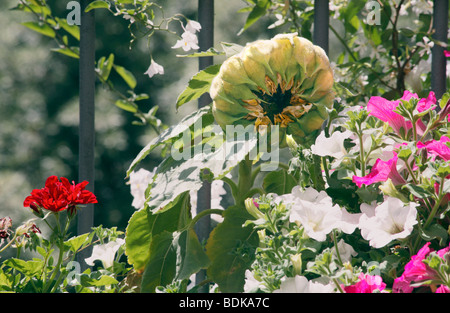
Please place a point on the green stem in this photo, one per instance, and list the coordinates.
(436, 205)
(204, 213)
(9, 243)
(244, 180)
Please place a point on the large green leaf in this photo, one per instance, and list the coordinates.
(176, 175)
(279, 182)
(230, 248)
(144, 225)
(198, 85)
(168, 134)
(175, 255)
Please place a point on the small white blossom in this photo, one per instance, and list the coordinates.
(426, 45)
(187, 42)
(389, 221)
(193, 26)
(154, 69)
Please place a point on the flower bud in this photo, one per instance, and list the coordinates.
(389, 189)
(296, 260)
(252, 208)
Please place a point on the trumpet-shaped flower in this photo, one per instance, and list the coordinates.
(381, 172)
(390, 220)
(438, 148)
(417, 271)
(366, 284)
(384, 110)
(300, 284)
(105, 253)
(316, 213)
(332, 146)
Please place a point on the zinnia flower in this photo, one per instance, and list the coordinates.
(286, 81)
(59, 195)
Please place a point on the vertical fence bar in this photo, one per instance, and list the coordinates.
(86, 170)
(438, 60)
(205, 41)
(321, 22)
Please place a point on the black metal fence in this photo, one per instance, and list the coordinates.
(206, 40)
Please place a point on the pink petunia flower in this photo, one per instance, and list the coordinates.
(447, 53)
(417, 271)
(384, 110)
(366, 284)
(437, 147)
(381, 171)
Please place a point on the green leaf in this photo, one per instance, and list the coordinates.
(126, 105)
(28, 268)
(127, 76)
(144, 225)
(175, 255)
(208, 53)
(181, 171)
(279, 182)
(97, 4)
(198, 85)
(417, 191)
(258, 11)
(104, 280)
(434, 231)
(43, 29)
(230, 248)
(74, 30)
(72, 52)
(104, 66)
(169, 134)
(77, 242)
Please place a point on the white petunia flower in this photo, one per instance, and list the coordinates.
(332, 146)
(300, 284)
(139, 182)
(316, 213)
(105, 253)
(251, 283)
(188, 41)
(154, 69)
(389, 221)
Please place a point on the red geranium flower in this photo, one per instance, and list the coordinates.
(59, 195)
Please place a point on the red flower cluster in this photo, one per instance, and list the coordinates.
(59, 195)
